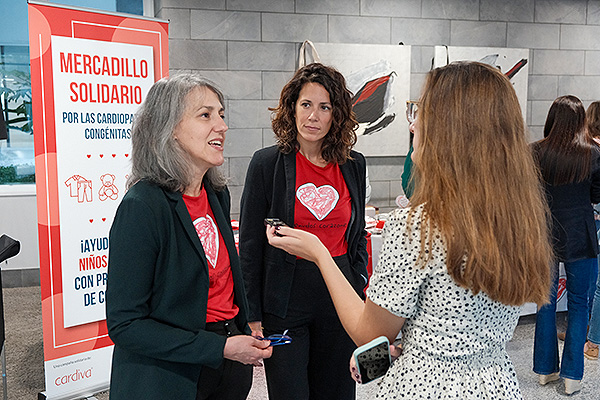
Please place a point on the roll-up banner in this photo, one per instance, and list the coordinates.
(90, 72)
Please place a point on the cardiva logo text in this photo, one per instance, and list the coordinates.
(74, 377)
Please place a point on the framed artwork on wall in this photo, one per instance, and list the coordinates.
(379, 78)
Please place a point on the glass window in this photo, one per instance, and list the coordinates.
(16, 143)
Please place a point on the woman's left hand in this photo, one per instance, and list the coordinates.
(247, 350)
(354, 371)
(395, 352)
(297, 242)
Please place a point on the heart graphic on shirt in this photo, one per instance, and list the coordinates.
(209, 236)
(319, 200)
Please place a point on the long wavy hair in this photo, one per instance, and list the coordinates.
(478, 184)
(341, 136)
(565, 153)
(592, 115)
(155, 155)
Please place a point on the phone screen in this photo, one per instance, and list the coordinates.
(374, 362)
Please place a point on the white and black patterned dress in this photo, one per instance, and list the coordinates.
(453, 341)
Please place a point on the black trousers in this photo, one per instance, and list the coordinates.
(315, 365)
(232, 380)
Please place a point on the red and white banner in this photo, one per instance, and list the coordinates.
(90, 71)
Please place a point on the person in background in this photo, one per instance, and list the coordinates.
(590, 350)
(593, 120)
(569, 161)
(311, 179)
(407, 183)
(175, 300)
(457, 265)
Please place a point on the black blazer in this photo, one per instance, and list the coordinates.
(269, 191)
(573, 228)
(157, 291)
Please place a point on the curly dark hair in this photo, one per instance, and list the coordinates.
(341, 136)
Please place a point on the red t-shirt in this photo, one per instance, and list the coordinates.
(220, 292)
(323, 206)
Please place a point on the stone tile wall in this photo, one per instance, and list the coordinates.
(249, 48)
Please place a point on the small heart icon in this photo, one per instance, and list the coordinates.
(126, 155)
(91, 220)
(101, 155)
(103, 219)
(89, 155)
(114, 155)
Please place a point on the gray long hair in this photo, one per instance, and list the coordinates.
(155, 155)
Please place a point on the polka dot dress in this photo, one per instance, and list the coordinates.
(453, 341)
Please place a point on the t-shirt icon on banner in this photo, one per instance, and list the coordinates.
(80, 187)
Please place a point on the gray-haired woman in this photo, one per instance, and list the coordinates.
(175, 302)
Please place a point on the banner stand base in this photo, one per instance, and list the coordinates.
(4, 386)
(42, 396)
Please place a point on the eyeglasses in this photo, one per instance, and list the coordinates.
(278, 340)
(411, 110)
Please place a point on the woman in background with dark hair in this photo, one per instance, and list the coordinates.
(590, 350)
(592, 116)
(569, 161)
(311, 179)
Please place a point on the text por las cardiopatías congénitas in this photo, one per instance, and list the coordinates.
(94, 281)
(86, 64)
(105, 119)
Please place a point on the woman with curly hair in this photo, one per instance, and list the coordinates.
(313, 180)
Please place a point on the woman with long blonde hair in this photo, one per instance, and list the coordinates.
(455, 266)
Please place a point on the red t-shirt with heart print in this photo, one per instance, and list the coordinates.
(323, 206)
(220, 292)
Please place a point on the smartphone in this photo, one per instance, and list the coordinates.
(373, 359)
(274, 222)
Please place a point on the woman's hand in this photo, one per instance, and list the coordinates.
(256, 328)
(247, 350)
(395, 352)
(297, 242)
(354, 370)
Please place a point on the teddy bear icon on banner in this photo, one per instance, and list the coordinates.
(108, 190)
